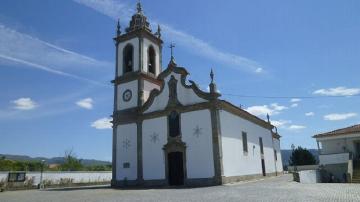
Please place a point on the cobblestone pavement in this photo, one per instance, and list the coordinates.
(269, 189)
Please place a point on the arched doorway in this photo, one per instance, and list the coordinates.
(176, 168)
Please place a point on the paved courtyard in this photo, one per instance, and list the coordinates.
(270, 189)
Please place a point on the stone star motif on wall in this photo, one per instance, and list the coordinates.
(154, 137)
(126, 144)
(197, 131)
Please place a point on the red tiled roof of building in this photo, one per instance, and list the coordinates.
(342, 131)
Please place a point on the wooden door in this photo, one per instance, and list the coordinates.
(176, 168)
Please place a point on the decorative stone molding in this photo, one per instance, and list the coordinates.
(275, 135)
(131, 76)
(131, 115)
(139, 34)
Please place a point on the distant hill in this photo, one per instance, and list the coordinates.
(286, 153)
(54, 160)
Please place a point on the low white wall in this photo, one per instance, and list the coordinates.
(78, 177)
(326, 159)
(309, 176)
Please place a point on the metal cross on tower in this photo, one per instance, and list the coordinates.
(172, 46)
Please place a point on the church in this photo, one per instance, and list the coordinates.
(168, 132)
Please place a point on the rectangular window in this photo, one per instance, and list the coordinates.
(126, 165)
(261, 145)
(244, 140)
(275, 155)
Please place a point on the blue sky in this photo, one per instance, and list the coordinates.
(57, 60)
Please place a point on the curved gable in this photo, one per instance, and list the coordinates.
(185, 94)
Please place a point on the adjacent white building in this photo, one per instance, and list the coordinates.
(339, 152)
(166, 131)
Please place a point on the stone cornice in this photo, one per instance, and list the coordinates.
(141, 33)
(242, 113)
(134, 114)
(131, 76)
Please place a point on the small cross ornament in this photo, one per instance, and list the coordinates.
(197, 131)
(154, 138)
(126, 144)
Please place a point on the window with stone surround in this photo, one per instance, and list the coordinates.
(245, 143)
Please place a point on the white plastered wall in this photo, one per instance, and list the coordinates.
(135, 43)
(146, 44)
(154, 138)
(235, 162)
(199, 147)
(339, 145)
(186, 96)
(279, 165)
(133, 86)
(148, 87)
(126, 151)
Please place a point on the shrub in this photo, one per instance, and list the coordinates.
(29, 181)
(47, 182)
(66, 181)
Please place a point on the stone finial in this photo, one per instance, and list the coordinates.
(212, 75)
(118, 31)
(158, 33)
(212, 85)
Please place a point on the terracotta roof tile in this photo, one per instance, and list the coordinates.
(342, 131)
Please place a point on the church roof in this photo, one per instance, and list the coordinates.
(340, 132)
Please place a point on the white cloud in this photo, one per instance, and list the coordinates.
(280, 123)
(338, 91)
(20, 48)
(295, 100)
(294, 105)
(296, 127)
(339, 117)
(277, 107)
(310, 114)
(115, 9)
(86, 103)
(286, 124)
(259, 70)
(103, 123)
(24, 104)
(262, 110)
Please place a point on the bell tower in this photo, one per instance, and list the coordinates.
(138, 62)
(137, 66)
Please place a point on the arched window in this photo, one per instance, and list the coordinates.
(151, 60)
(128, 58)
(174, 124)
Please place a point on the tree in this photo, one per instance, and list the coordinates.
(71, 162)
(302, 156)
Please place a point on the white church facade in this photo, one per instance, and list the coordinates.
(166, 131)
